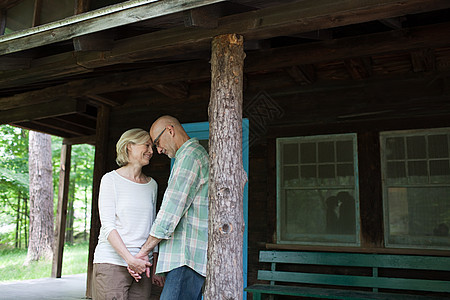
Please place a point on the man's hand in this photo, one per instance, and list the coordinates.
(158, 280)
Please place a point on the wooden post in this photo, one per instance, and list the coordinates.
(63, 194)
(99, 169)
(224, 275)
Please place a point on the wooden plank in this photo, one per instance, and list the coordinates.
(111, 20)
(68, 127)
(357, 281)
(44, 110)
(63, 196)
(328, 293)
(357, 260)
(294, 18)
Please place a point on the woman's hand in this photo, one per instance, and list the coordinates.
(139, 265)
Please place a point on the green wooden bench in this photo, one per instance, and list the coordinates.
(344, 276)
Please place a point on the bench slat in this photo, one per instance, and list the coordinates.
(357, 260)
(356, 281)
(328, 293)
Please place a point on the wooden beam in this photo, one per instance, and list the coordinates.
(423, 60)
(63, 196)
(100, 163)
(98, 41)
(104, 100)
(204, 17)
(393, 23)
(37, 13)
(61, 125)
(174, 90)
(41, 111)
(89, 139)
(14, 63)
(288, 19)
(302, 74)
(359, 68)
(379, 43)
(79, 26)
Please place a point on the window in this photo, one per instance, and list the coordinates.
(416, 188)
(20, 16)
(317, 200)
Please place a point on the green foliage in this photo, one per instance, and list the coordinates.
(14, 184)
(12, 268)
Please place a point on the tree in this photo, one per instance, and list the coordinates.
(41, 197)
(14, 185)
(224, 272)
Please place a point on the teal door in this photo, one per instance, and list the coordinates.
(201, 131)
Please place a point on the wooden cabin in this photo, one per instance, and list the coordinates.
(346, 106)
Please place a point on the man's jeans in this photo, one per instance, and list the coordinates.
(182, 283)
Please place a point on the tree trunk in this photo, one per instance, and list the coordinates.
(18, 235)
(41, 197)
(224, 275)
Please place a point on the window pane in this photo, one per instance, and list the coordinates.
(290, 153)
(395, 148)
(326, 152)
(396, 170)
(440, 170)
(438, 146)
(419, 216)
(344, 151)
(54, 10)
(416, 147)
(310, 216)
(20, 16)
(417, 168)
(308, 152)
(308, 172)
(290, 176)
(326, 171)
(345, 170)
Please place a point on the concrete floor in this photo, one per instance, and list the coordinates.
(69, 287)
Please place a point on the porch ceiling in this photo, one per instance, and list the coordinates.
(354, 50)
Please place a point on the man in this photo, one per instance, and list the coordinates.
(181, 225)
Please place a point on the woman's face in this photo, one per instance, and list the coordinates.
(140, 153)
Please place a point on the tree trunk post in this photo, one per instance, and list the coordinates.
(224, 275)
(63, 192)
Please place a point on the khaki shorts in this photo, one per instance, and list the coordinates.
(113, 282)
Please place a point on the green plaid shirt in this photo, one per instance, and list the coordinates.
(182, 221)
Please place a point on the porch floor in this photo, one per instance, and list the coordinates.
(68, 287)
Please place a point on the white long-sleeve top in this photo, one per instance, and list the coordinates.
(128, 207)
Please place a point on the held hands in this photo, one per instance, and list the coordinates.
(138, 265)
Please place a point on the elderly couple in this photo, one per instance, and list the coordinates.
(130, 233)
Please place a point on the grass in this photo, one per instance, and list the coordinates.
(12, 268)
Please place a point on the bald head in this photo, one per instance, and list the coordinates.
(168, 135)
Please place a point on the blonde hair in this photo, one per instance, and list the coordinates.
(133, 136)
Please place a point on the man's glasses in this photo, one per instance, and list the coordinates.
(156, 141)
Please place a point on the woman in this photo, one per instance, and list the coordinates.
(127, 201)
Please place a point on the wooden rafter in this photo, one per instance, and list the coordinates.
(359, 68)
(423, 60)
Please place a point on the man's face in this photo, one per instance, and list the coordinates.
(163, 141)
